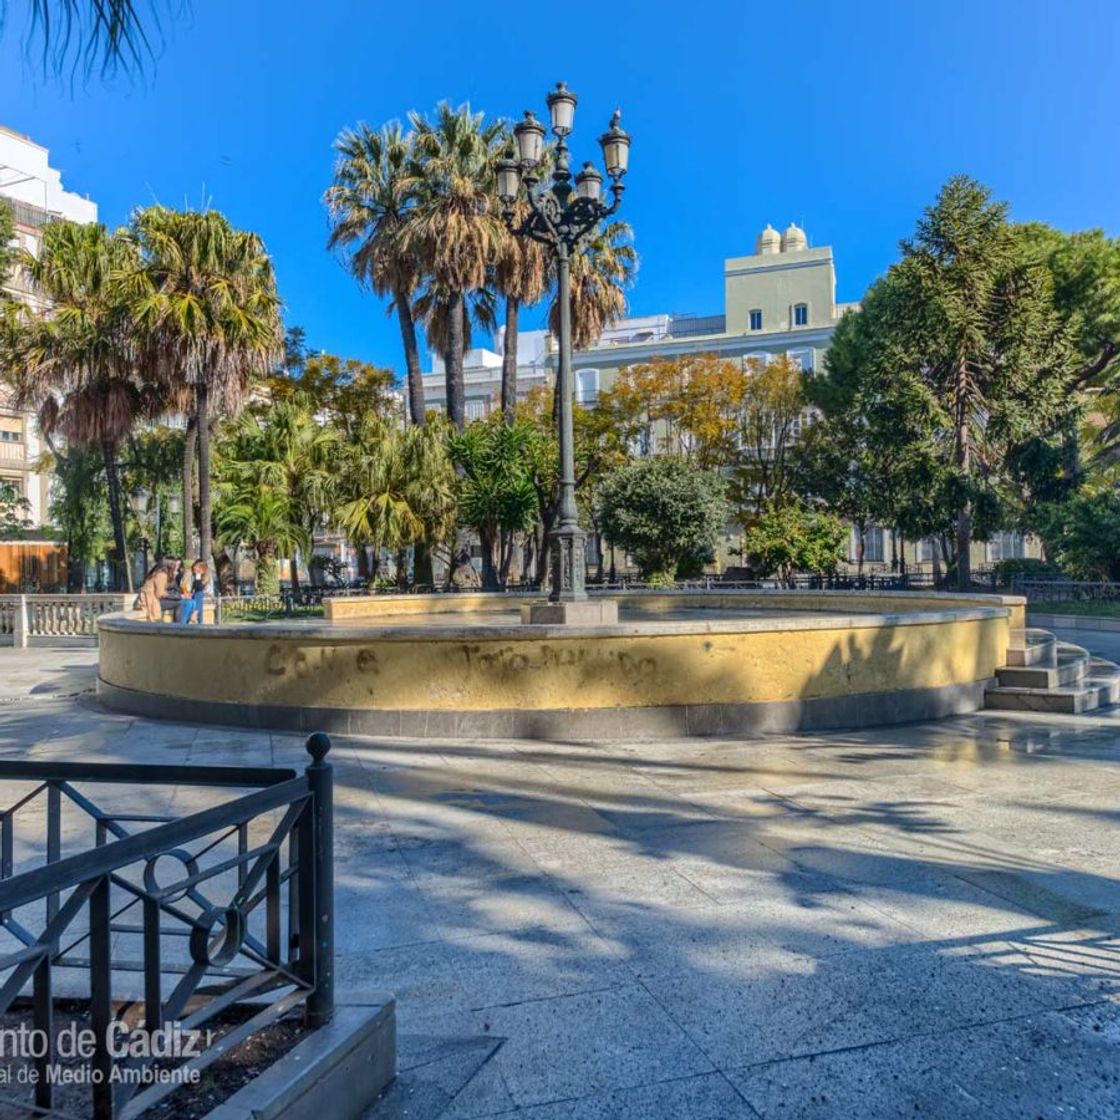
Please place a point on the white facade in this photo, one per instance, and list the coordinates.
(35, 193)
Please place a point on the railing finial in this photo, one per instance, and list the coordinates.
(318, 744)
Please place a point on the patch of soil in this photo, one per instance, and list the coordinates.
(73, 1094)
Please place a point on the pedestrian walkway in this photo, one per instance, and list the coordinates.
(908, 921)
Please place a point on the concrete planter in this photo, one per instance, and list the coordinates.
(337, 1072)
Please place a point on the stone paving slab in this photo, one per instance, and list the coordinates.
(914, 921)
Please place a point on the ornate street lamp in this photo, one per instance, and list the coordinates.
(560, 216)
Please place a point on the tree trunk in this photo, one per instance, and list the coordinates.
(293, 569)
(411, 357)
(402, 568)
(189, 446)
(423, 570)
(507, 549)
(453, 364)
(489, 571)
(509, 360)
(122, 569)
(205, 530)
(363, 561)
(964, 465)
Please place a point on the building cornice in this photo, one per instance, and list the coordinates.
(722, 344)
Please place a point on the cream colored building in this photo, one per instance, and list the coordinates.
(780, 299)
(33, 189)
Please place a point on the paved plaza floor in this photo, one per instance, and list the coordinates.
(920, 921)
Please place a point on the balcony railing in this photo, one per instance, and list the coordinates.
(211, 909)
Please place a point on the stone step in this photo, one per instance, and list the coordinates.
(1032, 647)
(1099, 688)
(1069, 671)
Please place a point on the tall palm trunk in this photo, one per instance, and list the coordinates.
(190, 444)
(453, 363)
(509, 360)
(411, 358)
(122, 569)
(205, 529)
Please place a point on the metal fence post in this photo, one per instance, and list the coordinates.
(320, 934)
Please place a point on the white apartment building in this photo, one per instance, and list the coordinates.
(33, 189)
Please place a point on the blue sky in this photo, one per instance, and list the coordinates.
(844, 116)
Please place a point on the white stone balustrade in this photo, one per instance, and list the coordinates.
(55, 619)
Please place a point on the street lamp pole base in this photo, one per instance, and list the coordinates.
(585, 612)
(569, 578)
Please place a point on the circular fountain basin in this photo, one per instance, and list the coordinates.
(675, 664)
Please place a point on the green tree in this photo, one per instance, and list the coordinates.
(206, 301)
(1082, 534)
(79, 508)
(967, 328)
(789, 538)
(370, 202)
(341, 390)
(261, 518)
(664, 513)
(152, 467)
(14, 508)
(455, 232)
(398, 488)
(287, 453)
(7, 245)
(497, 497)
(79, 365)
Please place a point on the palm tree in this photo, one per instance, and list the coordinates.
(455, 230)
(520, 276)
(286, 452)
(432, 307)
(206, 299)
(370, 202)
(497, 497)
(399, 487)
(601, 270)
(108, 35)
(78, 364)
(260, 518)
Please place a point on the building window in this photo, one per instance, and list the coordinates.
(804, 358)
(587, 387)
(10, 437)
(477, 408)
(1006, 546)
(872, 545)
(800, 314)
(928, 550)
(756, 319)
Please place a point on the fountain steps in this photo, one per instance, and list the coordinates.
(1045, 675)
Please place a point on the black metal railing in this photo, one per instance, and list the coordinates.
(1057, 590)
(244, 911)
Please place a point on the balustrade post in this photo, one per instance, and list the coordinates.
(19, 623)
(317, 862)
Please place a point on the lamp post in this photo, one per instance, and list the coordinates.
(561, 216)
(139, 500)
